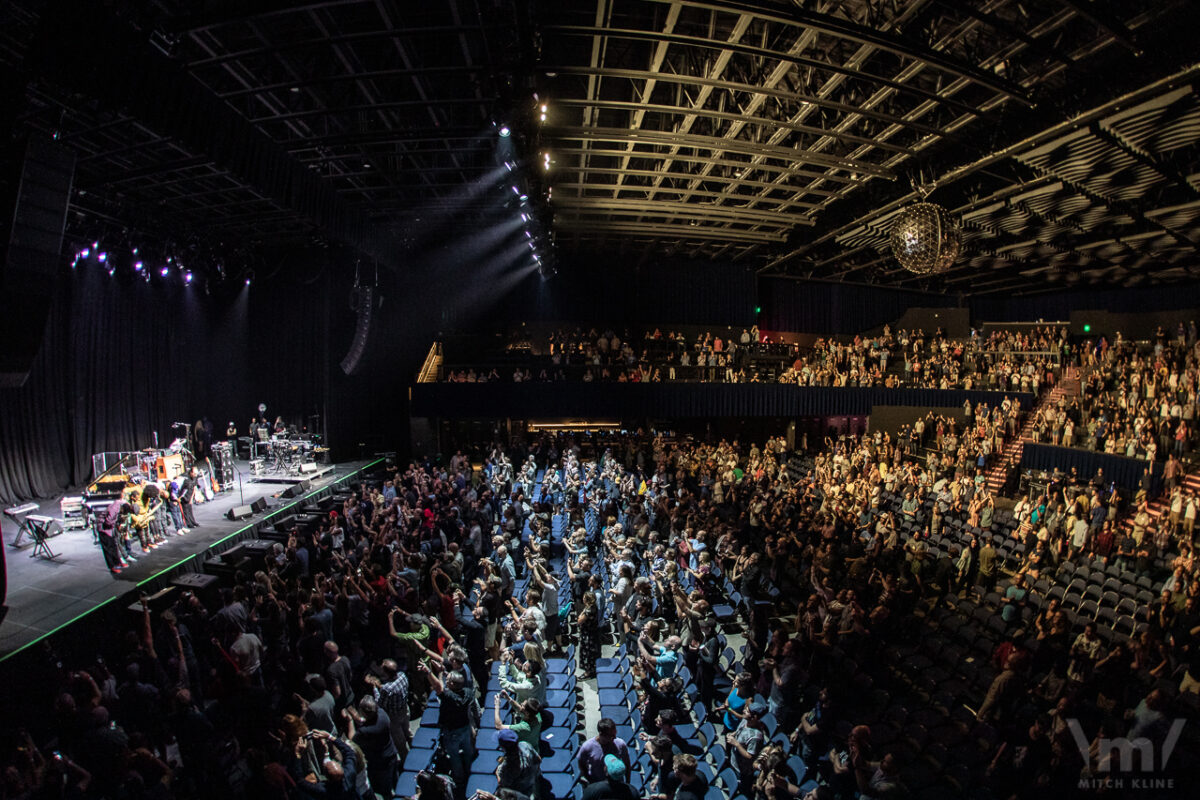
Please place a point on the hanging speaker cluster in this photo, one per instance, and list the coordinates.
(364, 305)
(925, 239)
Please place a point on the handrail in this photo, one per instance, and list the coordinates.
(429, 367)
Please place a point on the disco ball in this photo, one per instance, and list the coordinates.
(925, 239)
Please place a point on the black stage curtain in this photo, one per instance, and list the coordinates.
(624, 400)
(1123, 471)
(124, 358)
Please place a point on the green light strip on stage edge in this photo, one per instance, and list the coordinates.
(178, 564)
(71, 621)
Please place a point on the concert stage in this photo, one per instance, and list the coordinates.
(46, 595)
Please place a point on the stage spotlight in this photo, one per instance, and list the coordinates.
(187, 277)
(247, 280)
(528, 235)
(102, 257)
(524, 197)
(111, 272)
(165, 271)
(505, 131)
(138, 265)
(516, 191)
(85, 252)
(135, 251)
(96, 245)
(524, 217)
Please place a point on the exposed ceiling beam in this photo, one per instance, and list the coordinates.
(763, 52)
(670, 232)
(665, 208)
(791, 14)
(729, 145)
(751, 89)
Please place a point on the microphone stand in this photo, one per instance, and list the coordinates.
(241, 496)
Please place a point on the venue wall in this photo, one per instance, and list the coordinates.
(832, 308)
(610, 292)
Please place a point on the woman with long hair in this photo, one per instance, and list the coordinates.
(589, 635)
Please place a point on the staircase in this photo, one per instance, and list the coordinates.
(431, 368)
(1160, 507)
(1010, 456)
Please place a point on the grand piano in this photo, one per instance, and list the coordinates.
(111, 484)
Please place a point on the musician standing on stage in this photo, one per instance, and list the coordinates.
(173, 506)
(201, 441)
(186, 487)
(108, 527)
(153, 500)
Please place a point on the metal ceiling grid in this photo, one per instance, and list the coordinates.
(782, 132)
(384, 99)
(767, 113)
(1113, 202)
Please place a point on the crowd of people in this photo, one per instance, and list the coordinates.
(308, 676)
(1000, 361)
(1003, 360)
(1135, 400)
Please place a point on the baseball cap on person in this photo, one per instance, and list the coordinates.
(614, 767)
(757, 709)
(506, 736)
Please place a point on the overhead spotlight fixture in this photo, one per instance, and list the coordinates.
(524, 197)
(505, 131)
(294, 89)
(528, 235)
(170, 259)
(187, 277)
(247, 280)
(165, 271)
(543, 117)
(516, 191)
(85, 252)
(102, 257)
(96, 245)
(543, 108)
(135, 251)
(524, 217)
(366, 165)
(510, 165)
(138, 266)
(111, 272)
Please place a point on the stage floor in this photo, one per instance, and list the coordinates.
(44, 595)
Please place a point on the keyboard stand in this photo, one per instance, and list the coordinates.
(24, 528)
(40, 531)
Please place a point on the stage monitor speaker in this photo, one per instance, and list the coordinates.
(297, 489)
(37, 196)
(240, 512)
(260, 505)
